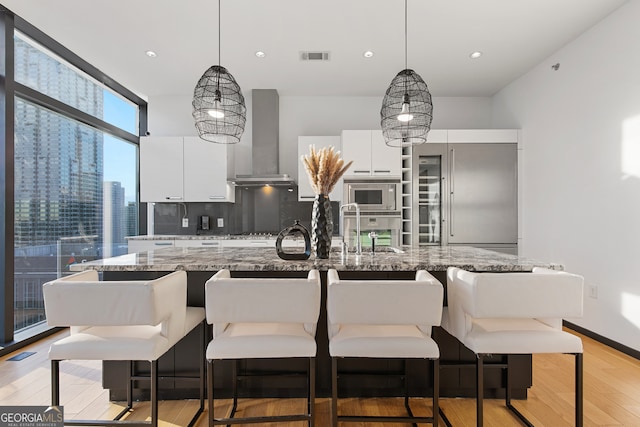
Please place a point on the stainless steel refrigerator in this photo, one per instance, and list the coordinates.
(466, 194)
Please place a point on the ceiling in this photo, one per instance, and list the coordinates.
(514, 36)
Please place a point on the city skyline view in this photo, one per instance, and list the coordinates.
(75, 190)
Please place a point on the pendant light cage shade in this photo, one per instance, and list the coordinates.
(409, 89)
(218, 107)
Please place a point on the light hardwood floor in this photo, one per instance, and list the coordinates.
(611, 393)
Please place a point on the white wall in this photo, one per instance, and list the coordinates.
(581, 167)
(311, 116)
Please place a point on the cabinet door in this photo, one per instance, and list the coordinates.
(356, 146)
(205, 171)
(385, 160)
(249, 243)
(135, 246)
(483, 193)
(161, 169)
(197, 243)
(305, 193)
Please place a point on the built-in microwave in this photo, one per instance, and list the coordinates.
(374, 194)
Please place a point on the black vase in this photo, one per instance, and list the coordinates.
(321, 226)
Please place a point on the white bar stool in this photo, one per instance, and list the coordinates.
(120, 320)
(383, 319)
(260, 319)
(514, 313)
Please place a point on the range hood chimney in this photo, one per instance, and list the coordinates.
(266, 137)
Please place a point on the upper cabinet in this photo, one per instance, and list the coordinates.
(473, 136)
(370, 155)
(305, 193)
(177, 169)
(161, 169)
(207, 167)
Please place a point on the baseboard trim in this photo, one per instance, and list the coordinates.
(604, 340)
(17, 344)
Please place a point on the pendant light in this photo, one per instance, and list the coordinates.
(406, 111)
(218, 105)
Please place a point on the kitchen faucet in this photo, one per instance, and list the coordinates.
(358, 243)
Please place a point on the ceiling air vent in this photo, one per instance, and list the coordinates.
(314, 56)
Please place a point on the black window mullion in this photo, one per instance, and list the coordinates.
(7, 112)
(57, 48)
(66, 110)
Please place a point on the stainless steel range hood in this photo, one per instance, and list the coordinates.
(266, 137)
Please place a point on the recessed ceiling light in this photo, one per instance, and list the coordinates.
(260, 54)
(368, 54)
(475, 55)
(151, 54)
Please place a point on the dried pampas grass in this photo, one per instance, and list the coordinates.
(324, 167)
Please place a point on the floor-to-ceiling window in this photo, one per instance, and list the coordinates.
(75, 168)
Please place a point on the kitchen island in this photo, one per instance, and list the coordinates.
(201, 263)
(434, 258)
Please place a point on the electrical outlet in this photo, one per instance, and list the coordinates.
(220, 222)
(185, 222)
(593, 291)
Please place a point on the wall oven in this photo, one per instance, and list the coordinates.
(375, 194)
(380, 210)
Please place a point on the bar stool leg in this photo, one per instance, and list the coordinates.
(334, 392)
(210, 392)
(55, 382)
(436, 391)
(479, 390)
(154, 393)
(311, 402)
(579, 390)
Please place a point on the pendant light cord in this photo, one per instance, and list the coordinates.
(219, 50)
(405, 34)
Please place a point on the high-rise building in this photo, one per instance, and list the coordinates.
(58, 162)
(114, 219)
(132, 219)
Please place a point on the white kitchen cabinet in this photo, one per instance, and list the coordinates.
(480, 136)
(305, 193)
(198, 243)
(249, 243)
(356, 147)
(134, 246)
(207, 166)
(161, 169)
(438, 136)
(370, 155)
(385, 160)
(185, 169)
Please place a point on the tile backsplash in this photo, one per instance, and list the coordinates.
(256, 210)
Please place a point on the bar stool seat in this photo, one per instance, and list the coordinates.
(383, 341)
(519, 336)
(262, 340)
